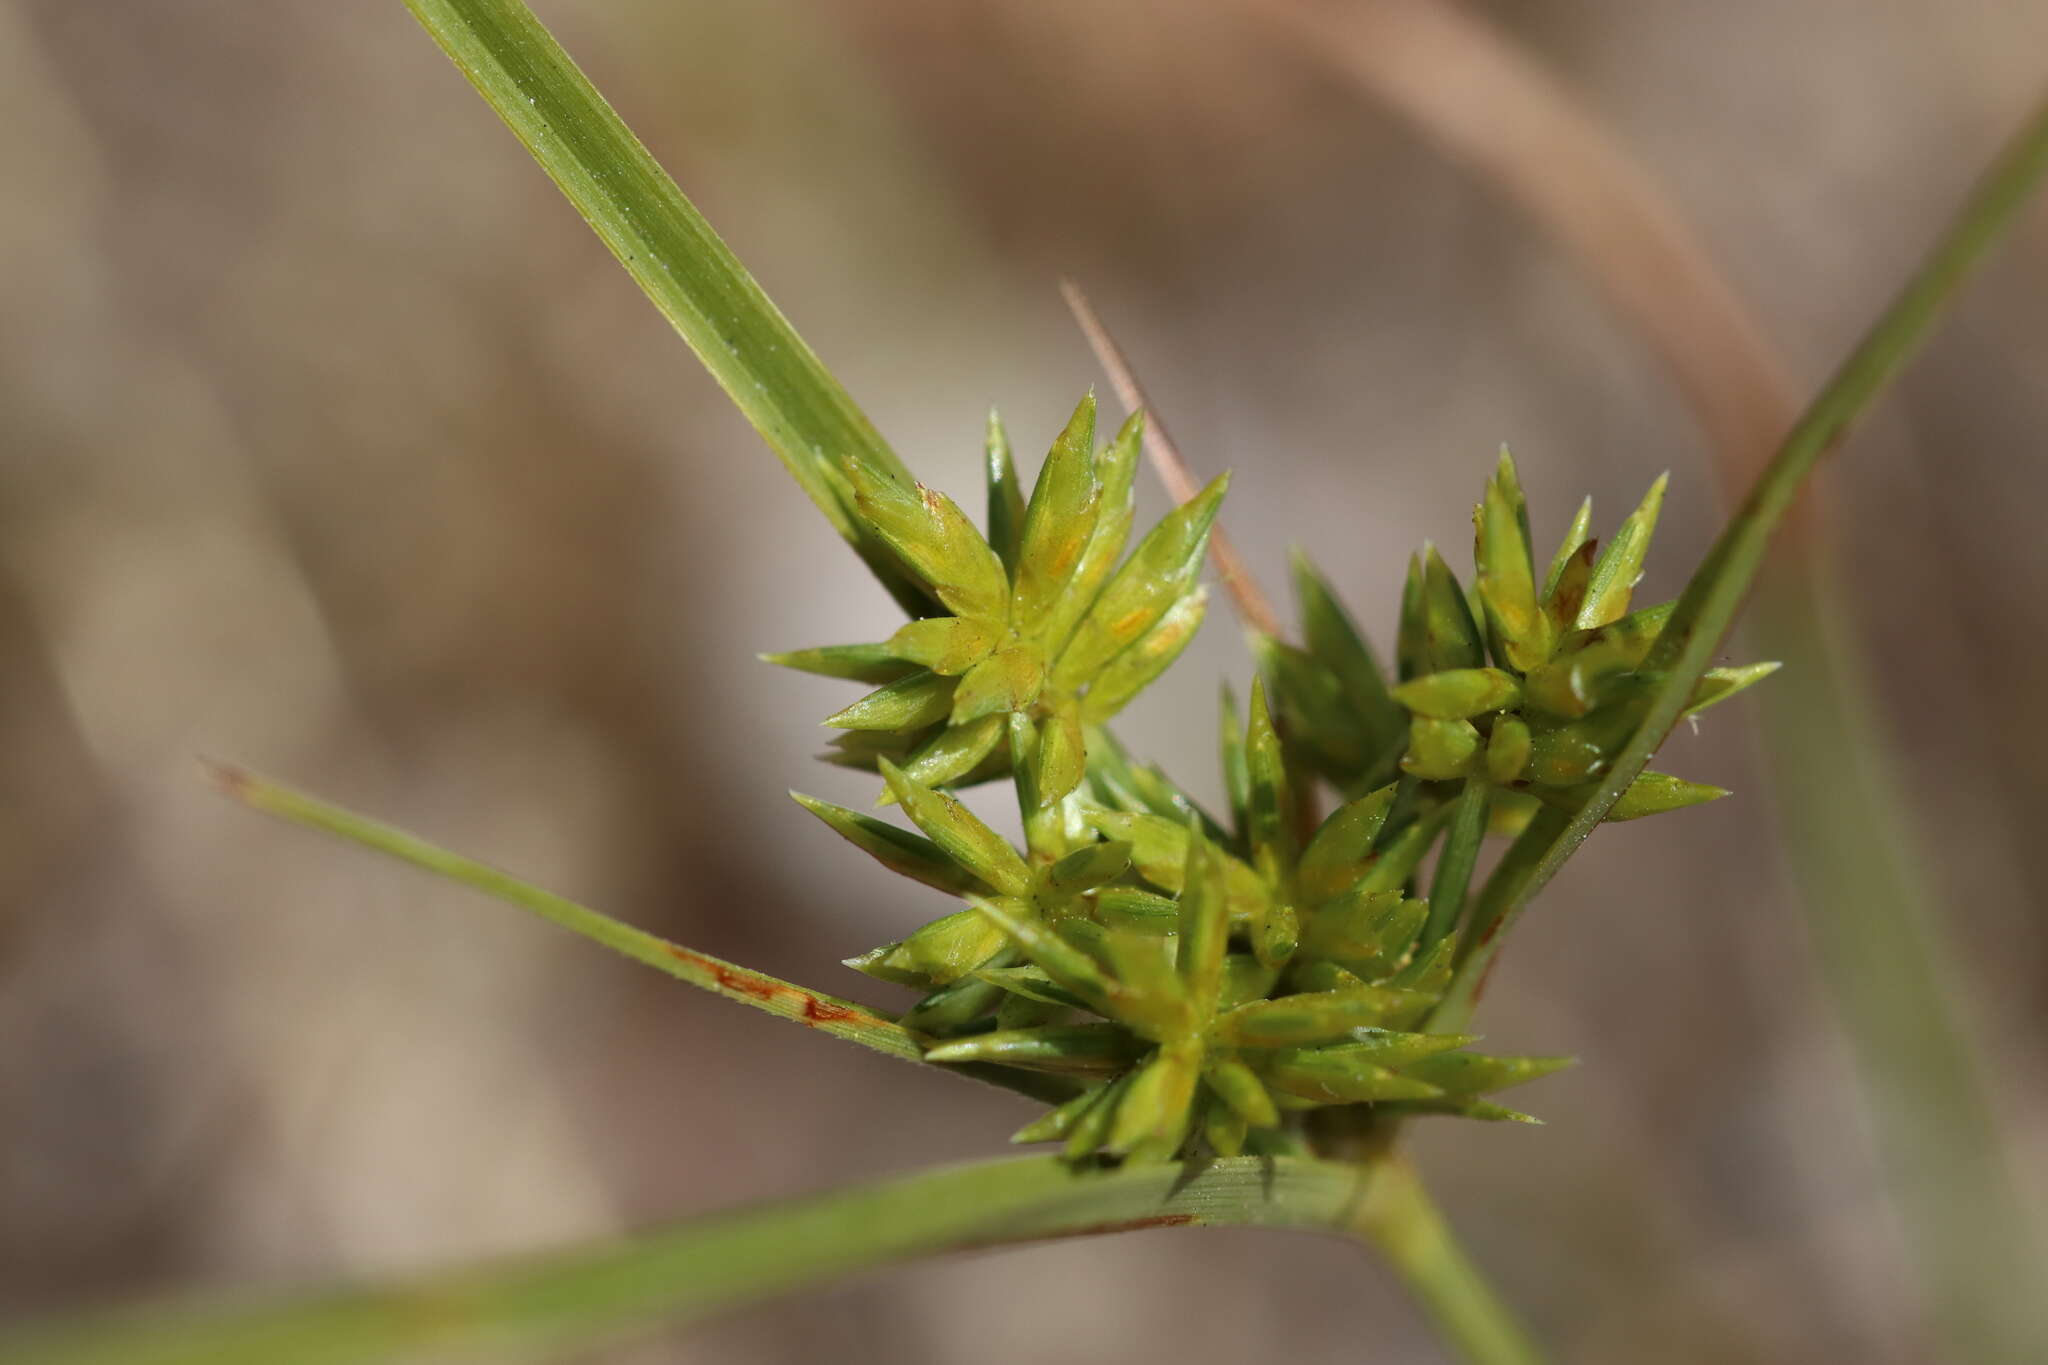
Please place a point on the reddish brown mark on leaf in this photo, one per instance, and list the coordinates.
(802, 1006)
(819, 1011)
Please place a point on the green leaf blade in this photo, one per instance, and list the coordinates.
(770, 373)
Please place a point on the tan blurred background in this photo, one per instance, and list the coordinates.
(333, 444)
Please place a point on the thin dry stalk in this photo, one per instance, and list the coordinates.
(1253, 607)
(1469, 90)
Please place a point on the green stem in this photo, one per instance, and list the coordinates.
(1400, 1219)
(676, 1275)
(682, 265)
(827, 1014)
(1707, 608)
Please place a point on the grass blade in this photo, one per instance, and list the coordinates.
(828, 1014)
(1705, 611)
(589, 1295)
(668, 248)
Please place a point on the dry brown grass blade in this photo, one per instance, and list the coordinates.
(1253, 607)
(1470, 90)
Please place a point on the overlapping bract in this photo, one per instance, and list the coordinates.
(1044, 623)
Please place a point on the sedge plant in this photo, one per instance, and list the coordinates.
(1228, 1016)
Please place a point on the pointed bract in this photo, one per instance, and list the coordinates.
(937, 955)
(1620, 565)
(1459, 693)
(1139, 666)
(1335, 641)
(1058, 523)
(1204, 929)
(955, 752)
(1157, 574)
(1574, 538)
(935, 540)
(1072, 1049)
(896, 849)
(857, 663)
(1116, 468)
(1507, 583)
(1720, 684)
(1469, 1073)
(1005, 494)
(1007, 680)
(960, 833)
(1239, 1087)
(910, 703)
(1440, 749)
(947, 645)
(1342, 849)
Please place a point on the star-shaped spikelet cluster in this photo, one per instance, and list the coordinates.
(1197, 982)
(1044, 622)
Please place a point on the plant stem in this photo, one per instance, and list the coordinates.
(585, 1295)
(1402, 1221)
(1707, 608)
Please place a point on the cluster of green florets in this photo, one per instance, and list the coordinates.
(1185, 980)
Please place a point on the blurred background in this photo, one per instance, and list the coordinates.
(331, 443)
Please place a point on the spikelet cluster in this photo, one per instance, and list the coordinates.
(1187, 981)
(1525, 684)
(1040, 619)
